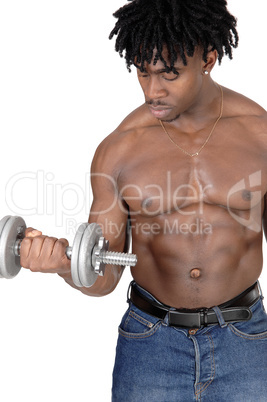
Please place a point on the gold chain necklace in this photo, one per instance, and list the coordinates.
(210, 134)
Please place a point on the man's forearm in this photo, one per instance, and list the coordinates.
(103, 286)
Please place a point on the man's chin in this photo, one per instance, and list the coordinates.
(170, 120)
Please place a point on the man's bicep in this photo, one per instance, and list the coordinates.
(108, 209)
(110, 212)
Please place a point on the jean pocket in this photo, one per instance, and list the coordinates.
(138, 324)
(246, 335)
(254, 329)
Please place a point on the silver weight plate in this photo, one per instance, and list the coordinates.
(90, 238)
(13, 228)
(75, 254)
(3, 221)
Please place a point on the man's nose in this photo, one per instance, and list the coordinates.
(153, 89)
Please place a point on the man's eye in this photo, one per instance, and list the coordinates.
(170, 77)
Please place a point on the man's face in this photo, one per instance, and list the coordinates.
(167, 94)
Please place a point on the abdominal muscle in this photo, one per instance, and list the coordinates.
(195, 261)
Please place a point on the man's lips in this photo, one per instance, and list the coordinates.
(159, 111)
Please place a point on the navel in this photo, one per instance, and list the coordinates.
(195, 273)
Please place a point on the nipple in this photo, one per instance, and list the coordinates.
(247, 195)
(146, 203)
(195, 273)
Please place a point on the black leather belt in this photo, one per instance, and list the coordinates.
(235, 310)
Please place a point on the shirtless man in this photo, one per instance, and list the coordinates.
(189, 167)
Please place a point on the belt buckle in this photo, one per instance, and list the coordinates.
(186, 320)
(204, 316)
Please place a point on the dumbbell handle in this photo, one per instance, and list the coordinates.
(111, 257)
(105, 257)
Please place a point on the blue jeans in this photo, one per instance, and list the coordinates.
(219, 363)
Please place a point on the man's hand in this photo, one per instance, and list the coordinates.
(45, 254)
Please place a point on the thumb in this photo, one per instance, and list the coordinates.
(31, 232)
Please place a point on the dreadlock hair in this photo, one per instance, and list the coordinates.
(180, 25)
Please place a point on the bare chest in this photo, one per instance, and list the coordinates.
(161, 184)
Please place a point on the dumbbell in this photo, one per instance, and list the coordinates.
(89, 253)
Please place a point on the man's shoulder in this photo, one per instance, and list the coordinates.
(130, 129)
(241, 107)
(137, 121)
(247, 117)
(118, 145)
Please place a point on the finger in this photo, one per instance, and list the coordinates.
(25, 247)
(30, 248)
(53, 257)
(60, 248)
(31, 232)
(64, 242)
(48, 247)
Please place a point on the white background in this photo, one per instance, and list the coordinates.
(62, 90)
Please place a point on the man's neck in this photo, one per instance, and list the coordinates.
(202, 113)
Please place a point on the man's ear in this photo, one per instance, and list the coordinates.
(212, 57)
